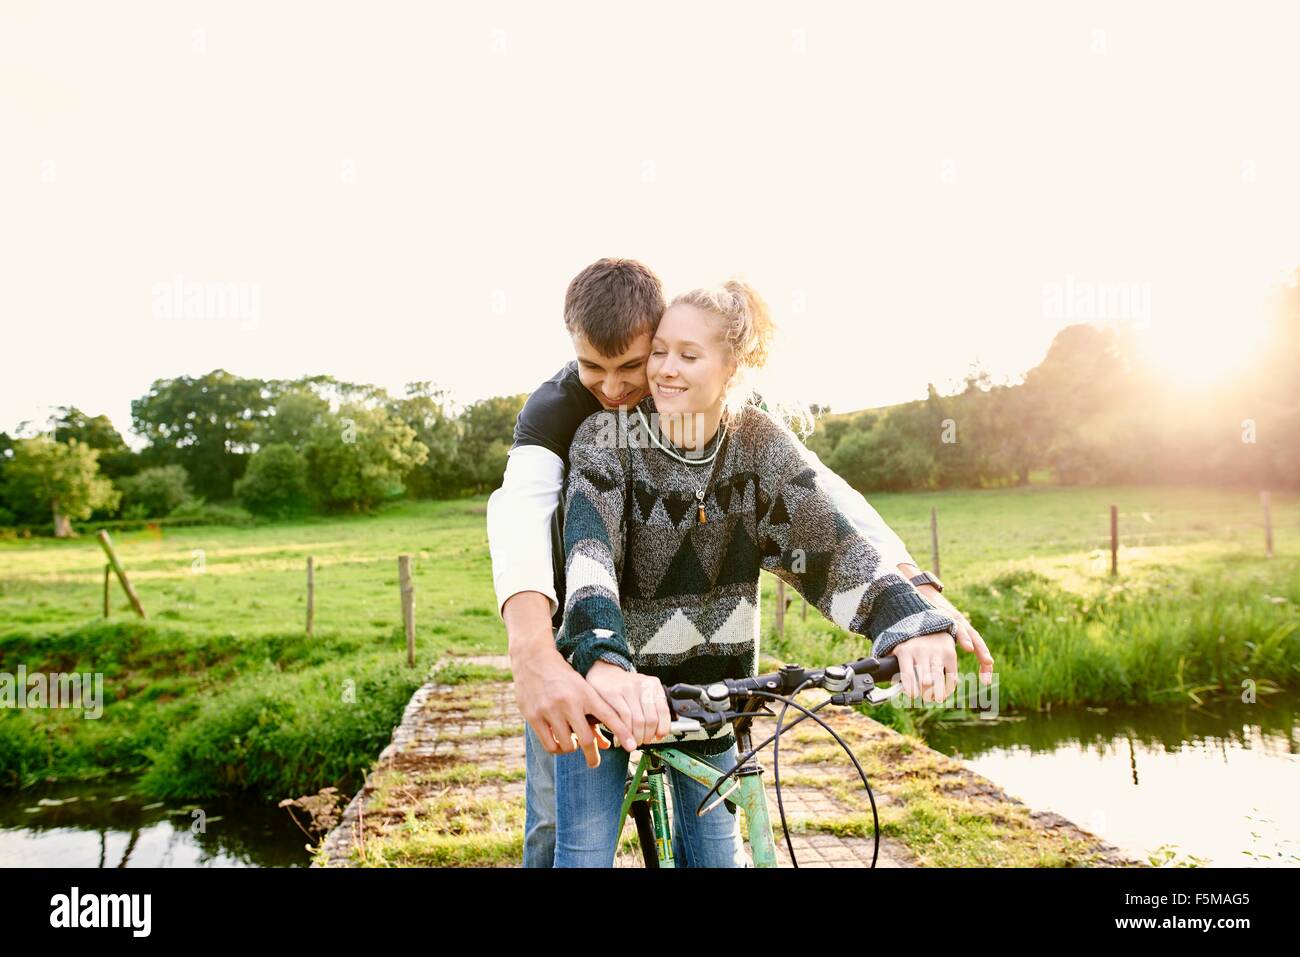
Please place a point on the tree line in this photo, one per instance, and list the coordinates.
(221, 446)
(1095, 411)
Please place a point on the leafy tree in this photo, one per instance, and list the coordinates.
(296, 414)
(207, 425)
(60, 479)
(829, 432)
(426, 410)
(360, 457)
(275, 483)
(156, 492)
(952, 431)
(115, 457)
(6, 454)
(487, 432)
(1078, 380)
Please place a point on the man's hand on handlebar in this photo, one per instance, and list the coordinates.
(555, 700)
(927, 666)
(967, 637)
(639, 700)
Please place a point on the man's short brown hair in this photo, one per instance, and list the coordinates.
(613, 301)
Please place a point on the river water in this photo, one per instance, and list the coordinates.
(101, 825)
(1220, 782)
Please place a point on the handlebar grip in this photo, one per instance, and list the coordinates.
(881, 669)
(888, 668)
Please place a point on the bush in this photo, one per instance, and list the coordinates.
(284, 734)
(24, 752)
(159, 490)
(196, 511)
(275, 483)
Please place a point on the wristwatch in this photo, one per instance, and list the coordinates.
(925, 578)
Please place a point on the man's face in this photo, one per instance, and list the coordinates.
(614, 380)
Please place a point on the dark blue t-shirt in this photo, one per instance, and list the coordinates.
(554, 411)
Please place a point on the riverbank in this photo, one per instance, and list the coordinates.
(222, 692)
(448, 791)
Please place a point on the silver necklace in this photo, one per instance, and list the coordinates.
(699, 493)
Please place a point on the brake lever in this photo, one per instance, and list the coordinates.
(878, 695)
(865, 689)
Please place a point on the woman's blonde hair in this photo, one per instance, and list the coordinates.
(749, 330)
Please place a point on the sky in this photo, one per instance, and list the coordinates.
(399, 192)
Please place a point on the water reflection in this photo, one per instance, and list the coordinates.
(1217, 782)
(102, 826)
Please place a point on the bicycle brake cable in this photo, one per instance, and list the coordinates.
(776, 771)
(875, 815)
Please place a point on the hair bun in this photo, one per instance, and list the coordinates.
(749, 330)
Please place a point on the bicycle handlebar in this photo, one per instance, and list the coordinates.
(696, 708)
(705, 708)
(835, 678)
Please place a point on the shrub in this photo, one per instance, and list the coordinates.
(160, 490)
(197, 511)
(275, 484)
(285, 734)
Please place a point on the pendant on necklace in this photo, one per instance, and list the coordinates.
(699, 497)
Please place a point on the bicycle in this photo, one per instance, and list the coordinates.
(697, 710)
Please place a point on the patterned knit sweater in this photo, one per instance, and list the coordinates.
(654, 589)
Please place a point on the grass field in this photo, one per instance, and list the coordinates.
(221, 691)
(252, 581)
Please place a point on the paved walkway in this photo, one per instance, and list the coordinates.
(453, 776)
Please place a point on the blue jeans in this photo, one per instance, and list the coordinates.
(539, 802)
(588, 801)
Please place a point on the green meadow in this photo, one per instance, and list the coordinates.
(221, 691)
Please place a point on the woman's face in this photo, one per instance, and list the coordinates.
(690, 363)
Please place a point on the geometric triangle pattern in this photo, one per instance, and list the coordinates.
(676, 593)
(676, 506)
(741, 559)
(685, 576)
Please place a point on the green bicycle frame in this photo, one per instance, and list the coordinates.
(648, 785)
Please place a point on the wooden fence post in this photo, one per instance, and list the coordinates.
(107, 543)
(1114, 540)
(1268, 524)
(311, 595)
(934, 540)
(408, 605)
(780, 606)
(107, 570)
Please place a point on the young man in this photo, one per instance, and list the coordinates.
(611, 309)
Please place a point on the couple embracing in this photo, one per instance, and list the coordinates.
(647, 487)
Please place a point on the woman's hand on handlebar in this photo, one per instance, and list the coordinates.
(639, 700)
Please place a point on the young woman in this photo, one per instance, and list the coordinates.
(670, 514)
